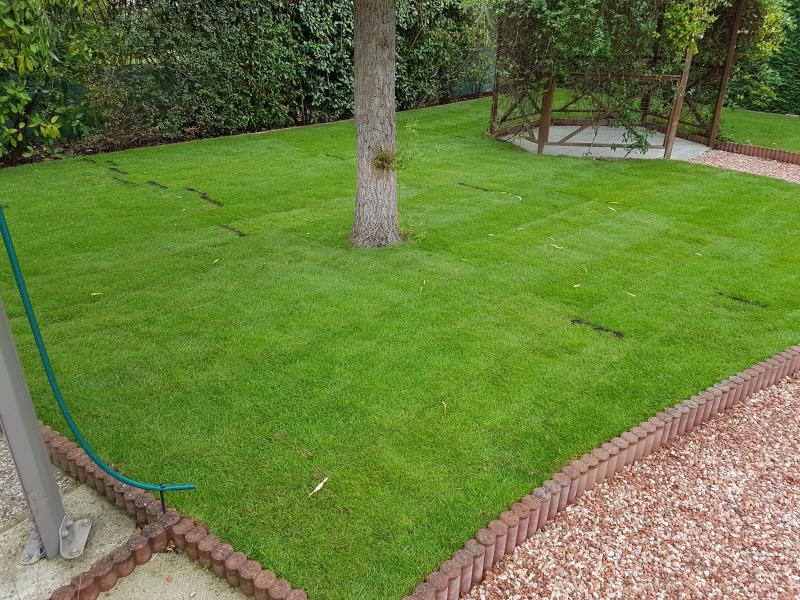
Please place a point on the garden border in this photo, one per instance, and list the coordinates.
(158, 529)
(785, 156)
(467, 566)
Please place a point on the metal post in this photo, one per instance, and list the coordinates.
(25, 442)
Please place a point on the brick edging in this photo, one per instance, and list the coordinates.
(785, 156)
(467, 566)
(157, 531)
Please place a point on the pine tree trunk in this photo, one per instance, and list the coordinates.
(375, 222)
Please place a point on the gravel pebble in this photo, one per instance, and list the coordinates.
(714, 515)
(750, 164)
(13, 507)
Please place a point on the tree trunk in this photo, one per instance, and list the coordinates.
(375, 222)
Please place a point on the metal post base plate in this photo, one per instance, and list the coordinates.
(33, 549)
(73, 537)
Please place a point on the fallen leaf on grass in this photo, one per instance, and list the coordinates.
(320, 485)
(512, 195)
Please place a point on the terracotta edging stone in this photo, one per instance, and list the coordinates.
(456, 576)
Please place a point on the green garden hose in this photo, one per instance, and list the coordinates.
(51, 377)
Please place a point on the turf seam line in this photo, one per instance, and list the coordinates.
(743, 300)
(232, 229)
(157, 531)
(597, 328)
(467, 566)
(205, 196)
(122, 180)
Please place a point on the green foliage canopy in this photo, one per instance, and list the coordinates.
(768, 76)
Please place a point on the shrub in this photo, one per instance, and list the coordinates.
(38, 102)
(786, 63)
(171, 70)
(768, 76)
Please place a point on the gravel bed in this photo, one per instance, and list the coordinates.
(749, 164)
(13, 507)
(715, 515)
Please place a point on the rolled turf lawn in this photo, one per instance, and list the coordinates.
(433, 383)
(762, 129)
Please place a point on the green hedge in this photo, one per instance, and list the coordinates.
(166, 69)
(786, 63)
(770, 81)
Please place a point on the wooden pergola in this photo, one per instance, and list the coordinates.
(688, 102)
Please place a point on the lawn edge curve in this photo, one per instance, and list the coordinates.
(455, 576)
(466, 568)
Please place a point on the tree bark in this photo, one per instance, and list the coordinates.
(375, 222)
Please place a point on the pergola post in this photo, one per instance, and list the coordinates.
(544, 120)
(495, 86)
(677, 107)
(726, 72)
(647, 98)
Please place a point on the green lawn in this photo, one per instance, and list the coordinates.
(433, 383)
(762, 129)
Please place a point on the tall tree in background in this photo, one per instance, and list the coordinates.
(375, 222)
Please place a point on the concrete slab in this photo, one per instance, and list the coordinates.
(170, 576)
(682, 150)
(110, 529)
